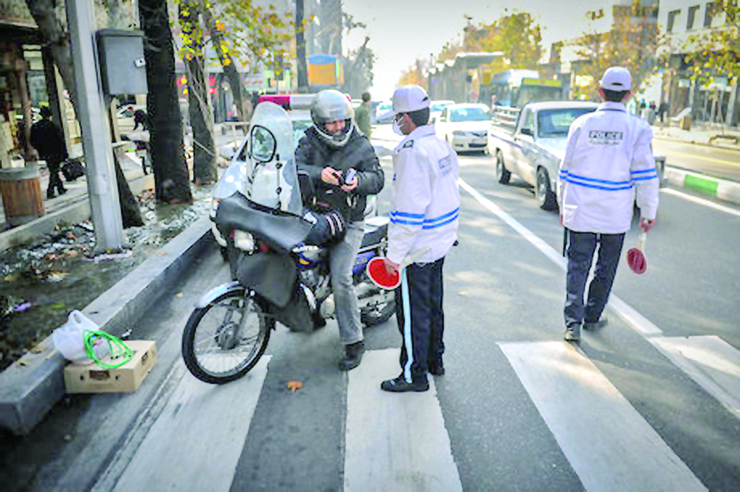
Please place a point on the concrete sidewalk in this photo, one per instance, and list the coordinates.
(719, 137)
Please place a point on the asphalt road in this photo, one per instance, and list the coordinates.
(715, 161)
(648, 403)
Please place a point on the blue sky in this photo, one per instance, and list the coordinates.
(402, 30)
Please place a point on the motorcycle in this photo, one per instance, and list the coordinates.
(278, 254)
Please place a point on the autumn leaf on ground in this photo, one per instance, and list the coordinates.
(294, 386)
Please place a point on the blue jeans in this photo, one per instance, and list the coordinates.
(341, 260)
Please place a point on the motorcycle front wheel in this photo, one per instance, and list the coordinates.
(224, 340)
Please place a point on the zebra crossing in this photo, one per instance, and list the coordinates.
(401, 442)
(197, 437)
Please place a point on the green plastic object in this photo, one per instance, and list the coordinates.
(121, 349)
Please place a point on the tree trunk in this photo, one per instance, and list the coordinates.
(130, 211)
(168, 159)
(204, 151)
(57, 36)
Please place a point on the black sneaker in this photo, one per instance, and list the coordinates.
(595, 325)
(400, 385)
(436, 368)
(573, 333)
(62, 191)
(353, 356)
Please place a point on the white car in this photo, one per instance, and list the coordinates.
(383, 108)
(436, 107)
(465, 126)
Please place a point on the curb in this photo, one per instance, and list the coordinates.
(708, 185)
(695, 142)
(75, 212)
(33, 384)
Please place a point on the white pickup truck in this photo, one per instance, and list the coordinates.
(531, 143)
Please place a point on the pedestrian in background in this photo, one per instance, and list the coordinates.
(48, 140)
(425, 216)
(362, 116)
(608, 161)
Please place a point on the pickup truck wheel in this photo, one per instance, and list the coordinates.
(503, 175)
(543, 191)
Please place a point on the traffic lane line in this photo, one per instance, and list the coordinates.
(394, 442)
(701, 201)
(607, 442)
(633, 319)
(196, 441)
(722, 389)
(710, 361)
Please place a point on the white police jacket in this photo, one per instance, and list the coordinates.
(607, 161)
(426, 199)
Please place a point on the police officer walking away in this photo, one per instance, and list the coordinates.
(424, 221)
(608, 162)
(331, 151)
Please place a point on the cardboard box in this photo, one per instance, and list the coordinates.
(125, 379)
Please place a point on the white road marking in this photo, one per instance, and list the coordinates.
(394, 442)
(607, 442)
(724, 387)
(196, 442)
(710, 361)
(633, 319)
(701, 201)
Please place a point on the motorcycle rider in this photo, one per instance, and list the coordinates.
(327, 152)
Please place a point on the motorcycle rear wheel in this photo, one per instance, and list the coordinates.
(224, 340)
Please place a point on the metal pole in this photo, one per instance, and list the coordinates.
(101, 177)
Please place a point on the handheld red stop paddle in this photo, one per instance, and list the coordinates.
(636, 257)
(379, 275)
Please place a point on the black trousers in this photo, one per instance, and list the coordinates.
(55, 181)
(581, 248)
(420, 318)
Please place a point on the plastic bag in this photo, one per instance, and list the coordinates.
(69, 339)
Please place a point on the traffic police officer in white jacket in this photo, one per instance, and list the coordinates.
(424, 221)
(608, 163)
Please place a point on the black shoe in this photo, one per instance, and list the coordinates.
(437, 369)
(400, 385)
(49, 196)
(573, 333)
(353, 356)
(62, 192)
(595, 325)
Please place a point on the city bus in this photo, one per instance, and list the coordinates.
(515, 88)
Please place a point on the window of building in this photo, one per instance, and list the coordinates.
(672, 16)
(691, 17)
(709, 13)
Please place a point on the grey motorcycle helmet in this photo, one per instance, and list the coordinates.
(331, 105)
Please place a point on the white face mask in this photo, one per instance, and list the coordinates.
(397, 128)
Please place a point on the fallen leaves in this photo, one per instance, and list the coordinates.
(294, 386)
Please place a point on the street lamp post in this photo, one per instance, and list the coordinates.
(101, 177)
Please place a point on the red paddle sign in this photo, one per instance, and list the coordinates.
(378, 274)
(636, 257)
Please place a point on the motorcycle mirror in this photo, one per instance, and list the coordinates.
(262, 144)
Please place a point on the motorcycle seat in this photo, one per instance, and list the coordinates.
(376, 229)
